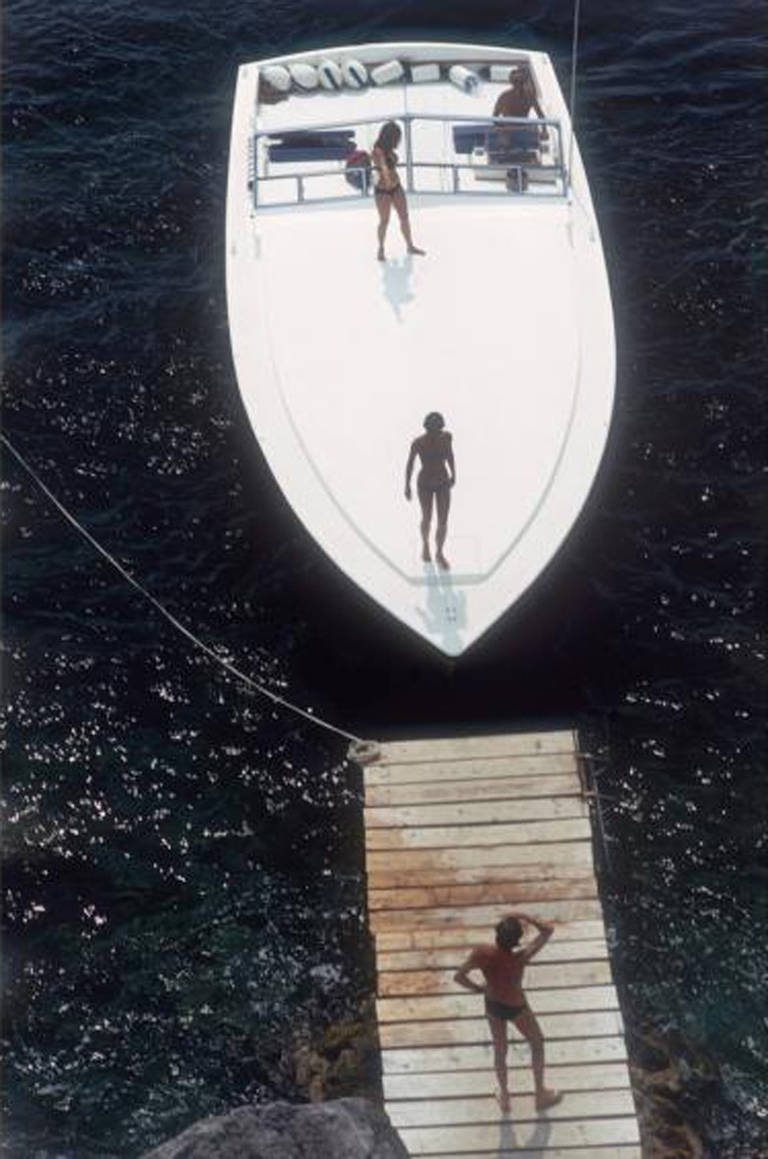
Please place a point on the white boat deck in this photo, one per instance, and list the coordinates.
(388, 342)
(504, 326)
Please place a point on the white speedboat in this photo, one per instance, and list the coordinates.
(505, 326)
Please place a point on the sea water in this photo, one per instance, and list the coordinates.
(184, 898)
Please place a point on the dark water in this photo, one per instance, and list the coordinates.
(183, 881)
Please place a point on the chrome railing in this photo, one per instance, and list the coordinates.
(258, 175)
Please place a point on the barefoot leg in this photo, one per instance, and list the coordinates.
(499, 1037)
(401, 205)
(443, 503)
(384, 206)
(528, 1026)
(426, 497)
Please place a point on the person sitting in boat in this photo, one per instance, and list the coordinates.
(518, 101)
(388, 191)
(433, 484)
(502, 967)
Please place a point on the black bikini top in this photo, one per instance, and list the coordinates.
(390, 156)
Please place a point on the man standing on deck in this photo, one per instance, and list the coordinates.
(502, 966)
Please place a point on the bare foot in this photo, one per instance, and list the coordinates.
(414, 249)
(444, 564)
(380, 256)
(502, 1098)
(426, 556)
(546, 1099)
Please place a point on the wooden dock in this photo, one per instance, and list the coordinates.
(458, 832)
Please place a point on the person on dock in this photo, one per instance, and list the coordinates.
(434, 482)
(502, 966)
(388, 191)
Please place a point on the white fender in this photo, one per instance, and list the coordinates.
(384, 74)
(278, 76)
(330, 74)
(355, 73)
(304, 76)
(421, 73)
(463, 78)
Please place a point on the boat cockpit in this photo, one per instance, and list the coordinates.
(313, 136)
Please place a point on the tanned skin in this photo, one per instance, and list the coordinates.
(389, 192)
(503, 973)
(517, 101)
(519, 98)
(435, 479)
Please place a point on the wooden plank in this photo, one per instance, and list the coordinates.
(475, 812)
(561, 999)
(470, 916)
(442, 1112)
(499, 892)
(537, 977)
(564, 854)
(430, 938)
(466, 1083)
(476, 875)
(484, 768)
(442, 837)
(448, 959)
(491, 789)
(469, 1031)
(506, 1134)
(622, 1151)
(479, 1056)
(467, 747)
(457, 832)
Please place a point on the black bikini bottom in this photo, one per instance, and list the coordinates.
(388, 192)
(501, 1010)
(432, 488)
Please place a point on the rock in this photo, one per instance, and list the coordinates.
(345, 1129)
(342, 1062)
(671, 1080)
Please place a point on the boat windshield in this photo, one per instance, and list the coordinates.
(509, 156)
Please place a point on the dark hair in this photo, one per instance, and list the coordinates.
(389, 136)
(508, 933)
(520, 77)
(434, 421)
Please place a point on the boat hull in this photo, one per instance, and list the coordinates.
(505, 327)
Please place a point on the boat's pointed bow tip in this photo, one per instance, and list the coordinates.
(450, 651)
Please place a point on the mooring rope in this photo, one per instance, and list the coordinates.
(360, 750)
(572, 102)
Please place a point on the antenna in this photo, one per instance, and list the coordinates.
(572, 101)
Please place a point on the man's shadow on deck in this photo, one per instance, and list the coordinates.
(516, 1137)
(396, 277)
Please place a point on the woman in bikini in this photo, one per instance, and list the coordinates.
(434, 482)
(388, 191)
(502, 966)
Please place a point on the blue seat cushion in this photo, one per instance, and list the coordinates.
(493, 138)
(328, 145)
